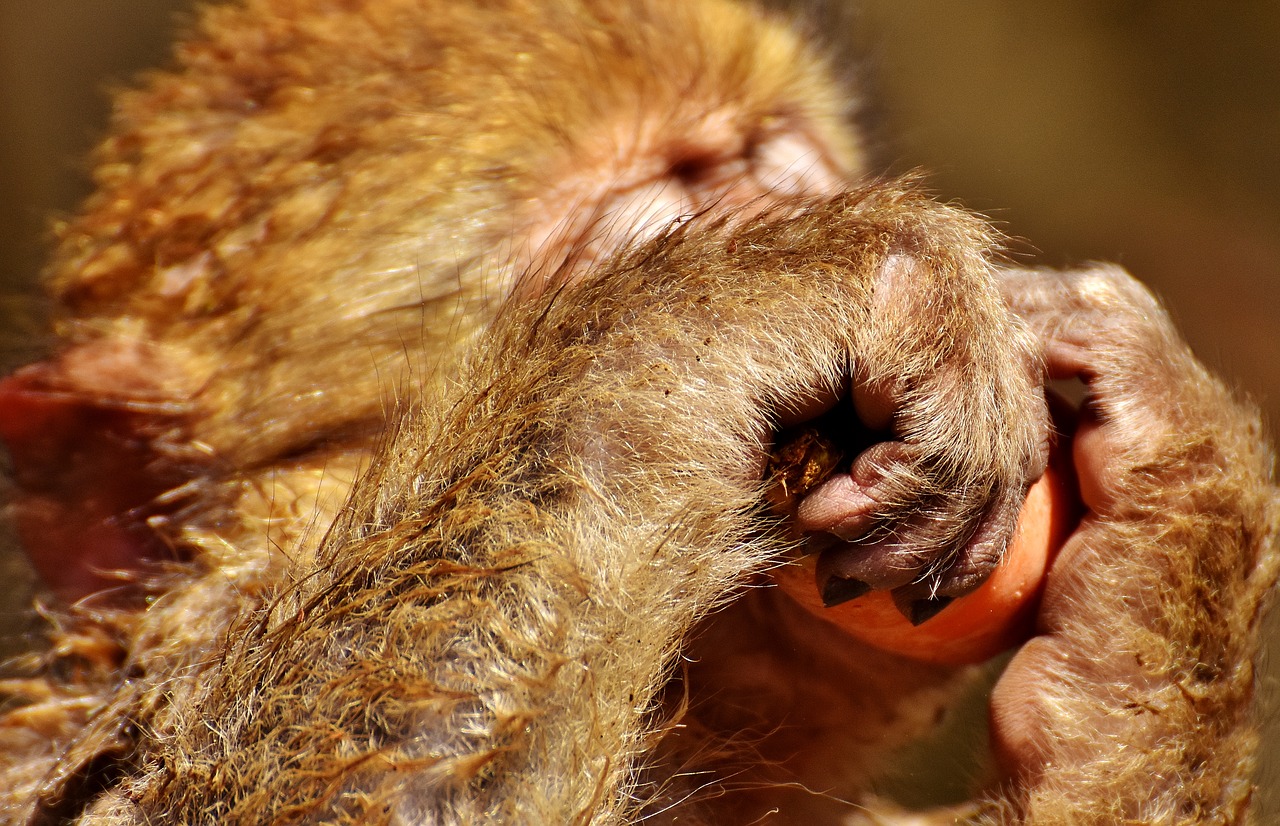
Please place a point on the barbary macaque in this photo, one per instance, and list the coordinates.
(411, 452)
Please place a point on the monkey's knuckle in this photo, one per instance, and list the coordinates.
(1111, 290)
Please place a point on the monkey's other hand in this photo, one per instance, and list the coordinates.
(1133, 703)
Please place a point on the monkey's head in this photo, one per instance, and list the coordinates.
(302, 225)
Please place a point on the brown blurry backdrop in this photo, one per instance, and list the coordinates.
(1128, 130)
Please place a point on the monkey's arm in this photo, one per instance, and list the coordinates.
(487, 631)
(1134, 702)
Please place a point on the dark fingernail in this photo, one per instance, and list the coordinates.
(923, 610)
(838, 590)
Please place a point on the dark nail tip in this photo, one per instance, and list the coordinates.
(923, 610)
(838, 590)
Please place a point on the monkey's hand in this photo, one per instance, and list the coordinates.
(1133, 703)
(946, 388)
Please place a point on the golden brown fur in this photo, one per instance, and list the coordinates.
(303, 232)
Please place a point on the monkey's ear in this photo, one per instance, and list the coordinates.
(87, 470)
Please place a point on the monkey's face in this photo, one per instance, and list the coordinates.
(286, 244)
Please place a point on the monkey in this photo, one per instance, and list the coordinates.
(562, 361)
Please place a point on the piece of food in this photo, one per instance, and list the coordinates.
(800, 461)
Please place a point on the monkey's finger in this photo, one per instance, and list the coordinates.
(1020, 713)
(907, 559)
(968, 565)
(902, 535)
(865, 508)
(1097, 322)
(848, 504)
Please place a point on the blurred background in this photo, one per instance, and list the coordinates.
(1135, 131)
